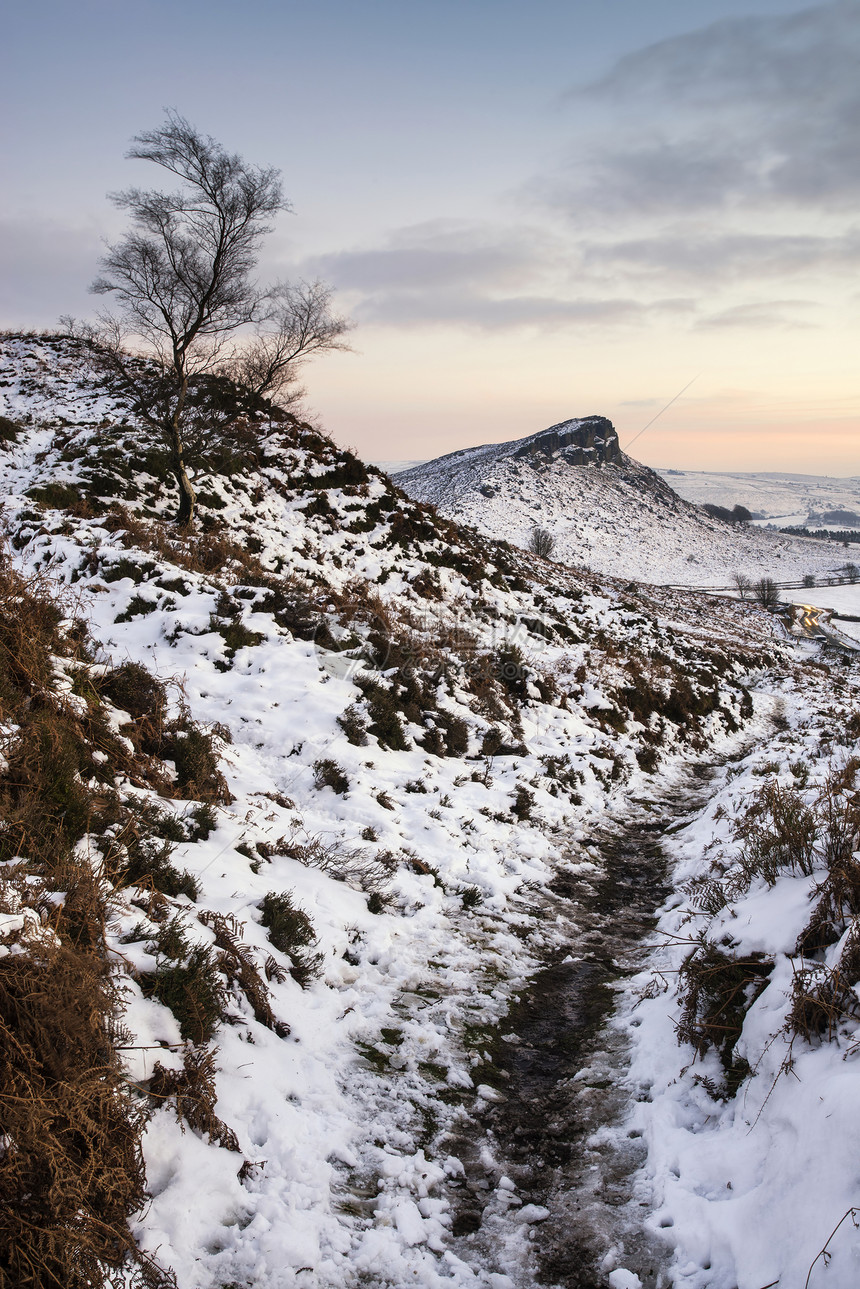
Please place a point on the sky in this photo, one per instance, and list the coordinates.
(530, 211)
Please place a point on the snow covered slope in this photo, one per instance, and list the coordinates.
(605, 511)
(419, 727)
(412, 722)
(760, 939)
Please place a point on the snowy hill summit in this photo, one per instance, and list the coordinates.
(604, 509)
(589, 440)
(585, 441)
(580, 441)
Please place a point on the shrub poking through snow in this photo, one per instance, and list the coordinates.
(447, 736)
(192, 750)
(716, 992)
(367, 870)
(471, 897)
(509, 667)
(9, 431)
(385, 724)
(778, 834)
(192, 1090)
(328, 774)
(137, 849)
(227, 622)
(523, 803)
(353, 725)
(71, 1171)
(781, 833)
(236, 961)
(823, 997)
(292, 932)
(135, 690)
(187, 981)
(149, 864)
(200, 822)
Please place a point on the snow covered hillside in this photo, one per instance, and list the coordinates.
(787, 500)
(606, 512)
(752, 1127)
(318, 769)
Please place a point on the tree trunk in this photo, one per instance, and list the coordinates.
(187, 495)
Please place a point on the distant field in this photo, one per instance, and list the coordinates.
(394, 467)
(784, 499)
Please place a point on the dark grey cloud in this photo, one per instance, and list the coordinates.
(656, 176)
(807, 54)
(486, 313)
(744, 112)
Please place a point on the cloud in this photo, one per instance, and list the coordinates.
(769, 59)
(748, 112)
(440, 254)
(762, 314)
(717, 159)
(656, 176)
(477, 276)
(697, 253)
(487, 313)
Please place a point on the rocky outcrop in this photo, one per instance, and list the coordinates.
(590, 441)
(602, 508)
(581, 441)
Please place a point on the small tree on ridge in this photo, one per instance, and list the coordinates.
(182, 278)
(541, 543)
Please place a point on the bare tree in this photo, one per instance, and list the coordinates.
(182, 278)
(299, 324)
(767, 593)
(743, 584)
(809, 579)
(852, 572)
(541, 543)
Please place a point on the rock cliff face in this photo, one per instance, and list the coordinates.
(589, 441)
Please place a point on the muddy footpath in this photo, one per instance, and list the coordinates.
(563, 1077)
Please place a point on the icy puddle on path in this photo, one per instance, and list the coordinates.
(549, 1190)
